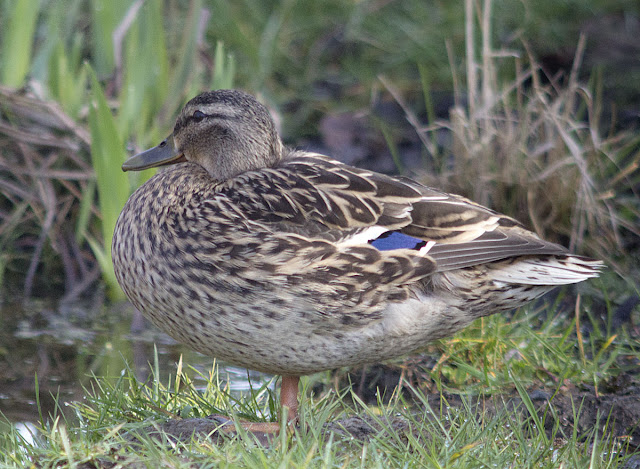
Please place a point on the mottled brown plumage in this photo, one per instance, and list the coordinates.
(291, 263)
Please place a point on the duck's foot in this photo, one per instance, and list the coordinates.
(218, 426)
(215, 428)
(229, 426)
(262, 430)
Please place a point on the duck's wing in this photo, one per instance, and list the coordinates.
(317, 198)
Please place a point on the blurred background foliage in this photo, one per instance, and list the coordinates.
(530, 107)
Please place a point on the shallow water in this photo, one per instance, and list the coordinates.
(66, 346)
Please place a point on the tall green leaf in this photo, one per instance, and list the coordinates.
(183, 71)
(107, 155)
(107, 14)
(146, 71)
(67, 78)
(19, 25)
(224, 68)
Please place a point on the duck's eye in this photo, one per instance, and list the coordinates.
(198, 115)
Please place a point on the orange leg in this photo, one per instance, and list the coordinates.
(288, 399)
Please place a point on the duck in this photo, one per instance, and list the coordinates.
(289, 262)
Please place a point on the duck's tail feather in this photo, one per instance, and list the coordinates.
(548, 270)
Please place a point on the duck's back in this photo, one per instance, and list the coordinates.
(312, 265)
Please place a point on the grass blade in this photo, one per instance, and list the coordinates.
(18, 36)
(107, 155)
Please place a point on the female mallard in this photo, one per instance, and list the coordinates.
(291, 263)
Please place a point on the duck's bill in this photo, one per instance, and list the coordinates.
(163, 154)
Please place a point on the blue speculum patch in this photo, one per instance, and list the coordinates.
(395, 240)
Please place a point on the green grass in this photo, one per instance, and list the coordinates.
(413, 428)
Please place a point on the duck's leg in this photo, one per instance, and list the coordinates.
(288, 399)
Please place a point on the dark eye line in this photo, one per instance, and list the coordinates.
(201, 117)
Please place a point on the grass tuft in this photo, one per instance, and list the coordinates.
(120, 421)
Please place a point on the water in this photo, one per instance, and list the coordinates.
(66, 346)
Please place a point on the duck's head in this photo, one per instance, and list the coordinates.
(227, 132)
